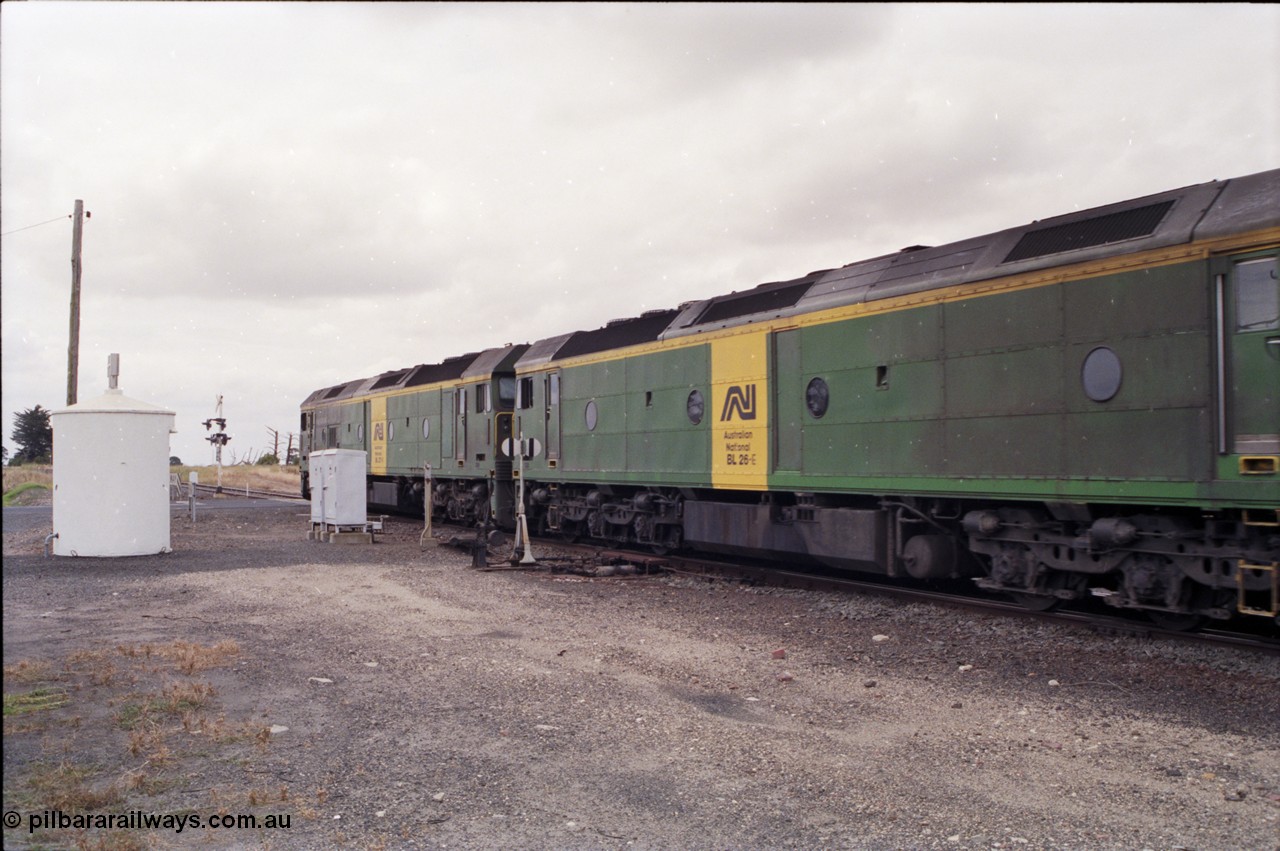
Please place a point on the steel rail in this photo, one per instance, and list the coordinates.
(251, 493)
(763, 574)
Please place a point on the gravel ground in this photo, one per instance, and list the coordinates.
(387, 696)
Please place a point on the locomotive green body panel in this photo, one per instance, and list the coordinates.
(621, 420)
(988, 396)
(410, 444)
(354, 418)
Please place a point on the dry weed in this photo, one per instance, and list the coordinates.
(273, 478)
(64, 786)
(186, 657)
(39, 474)
(27, 673)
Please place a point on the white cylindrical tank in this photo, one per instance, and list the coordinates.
(111, 477)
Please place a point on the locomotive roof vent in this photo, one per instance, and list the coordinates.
(617, 334)
(766, 297)
(429, 373)
(1086, 233)
(390, 378)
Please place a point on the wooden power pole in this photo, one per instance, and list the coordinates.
(73, 349)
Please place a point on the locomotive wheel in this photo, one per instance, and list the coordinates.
(671, 542)
(930, 556)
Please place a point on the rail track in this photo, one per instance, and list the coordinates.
(579, 557)
(1104, 622)
(251, 493)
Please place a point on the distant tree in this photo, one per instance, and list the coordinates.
(175, 461)
(4, 455)
(267, 459)
(34, 436)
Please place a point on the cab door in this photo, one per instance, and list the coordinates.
(1249, 298)
(552, 417)
(788, 426)
(460, 427)
(448, 407)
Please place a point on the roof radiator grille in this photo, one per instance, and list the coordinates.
(1099, 230)
(758, 300)
(390, 378)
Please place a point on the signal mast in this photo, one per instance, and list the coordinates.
(219, 438)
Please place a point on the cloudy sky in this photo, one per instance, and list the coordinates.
(285, 196)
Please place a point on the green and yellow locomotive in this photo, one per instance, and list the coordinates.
(1084, 406)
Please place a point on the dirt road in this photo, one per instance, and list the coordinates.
(388, 697)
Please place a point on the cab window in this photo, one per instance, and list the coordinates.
(506, 391)
(1257, 296)
(524, 395)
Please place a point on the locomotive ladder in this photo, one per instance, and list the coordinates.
(1242, 606)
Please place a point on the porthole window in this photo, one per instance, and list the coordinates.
(817, 396)
(1101, 374)
(391, 431)
(426, 428)
(592, 415)
(359, 431)
(695, 407)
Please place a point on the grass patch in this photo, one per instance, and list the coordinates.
(129, 727)
(175, 700)
(24, 492)
(41, 474)
(28, 478)
(272, 478)
(36, 700)
(69, 787)
(186, 657)
(27, 673)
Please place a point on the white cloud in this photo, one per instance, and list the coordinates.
(286, 196)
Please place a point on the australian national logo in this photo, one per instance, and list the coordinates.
(740, 400)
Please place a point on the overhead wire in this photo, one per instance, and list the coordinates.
(38, 224)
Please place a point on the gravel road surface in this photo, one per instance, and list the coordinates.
(387, 696)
